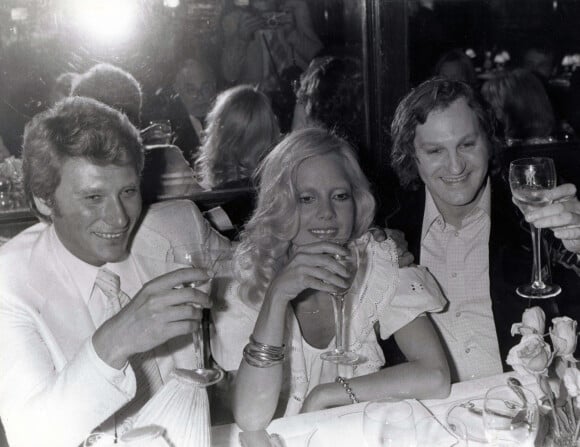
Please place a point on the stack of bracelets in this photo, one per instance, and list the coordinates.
(263, 356)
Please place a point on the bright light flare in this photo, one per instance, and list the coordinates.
(104, 20)
(171, 3)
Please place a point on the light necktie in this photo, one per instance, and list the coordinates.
(144, 364)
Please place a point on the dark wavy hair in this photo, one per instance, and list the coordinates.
(413, 110)
(275, 223)
(332, 94)
(75, 127)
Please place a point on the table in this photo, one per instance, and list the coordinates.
(302, 424)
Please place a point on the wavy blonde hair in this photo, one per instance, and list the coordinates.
(241, 129)
(275, 223)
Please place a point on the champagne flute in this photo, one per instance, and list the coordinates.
(530, 179)
(218, 265)
(339, 354)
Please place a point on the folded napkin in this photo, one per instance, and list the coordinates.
(346, 431)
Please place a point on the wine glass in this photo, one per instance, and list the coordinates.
(530, 179)
(510, 416)
(459, 431)
(388, 423)
(218, 265)
(339, 354)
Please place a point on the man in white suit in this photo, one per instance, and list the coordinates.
(68, 357)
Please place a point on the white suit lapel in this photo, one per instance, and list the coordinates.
(64, 315)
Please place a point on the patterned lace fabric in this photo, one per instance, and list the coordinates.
(382, 297)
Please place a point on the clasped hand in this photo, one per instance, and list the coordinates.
(311, 266)
(160, 311)
(562, 216)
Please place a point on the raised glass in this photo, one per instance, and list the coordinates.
(217, 262)
(530, 179)
(339, 354)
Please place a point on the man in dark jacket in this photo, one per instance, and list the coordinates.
(463, 226)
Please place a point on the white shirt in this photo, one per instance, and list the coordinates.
(459, 260)
(381, 293)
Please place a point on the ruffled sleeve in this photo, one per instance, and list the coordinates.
(387, 297)
(417, 293)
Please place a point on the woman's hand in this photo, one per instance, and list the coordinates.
(311, 266)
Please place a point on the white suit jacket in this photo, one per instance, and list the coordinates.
(50, 392)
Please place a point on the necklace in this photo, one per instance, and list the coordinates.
(307, 312)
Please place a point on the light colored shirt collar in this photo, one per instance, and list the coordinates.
(432, 216)
(84, 275)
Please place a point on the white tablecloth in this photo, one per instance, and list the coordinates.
(294, 430)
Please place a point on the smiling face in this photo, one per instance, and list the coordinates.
(452, 158)
(95, 209)
(326, 207)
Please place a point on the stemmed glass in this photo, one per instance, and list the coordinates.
(218, 264)
(530, 179)
(339, 354)
(389, 423)
(510, 416)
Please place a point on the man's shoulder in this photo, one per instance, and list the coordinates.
(169, 212)
(168, 222)
(21, 258)
(20, 246)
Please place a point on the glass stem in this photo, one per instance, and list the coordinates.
(537, 248)
(338, 304)
(200, 344)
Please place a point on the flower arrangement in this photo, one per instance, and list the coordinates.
(554, 367)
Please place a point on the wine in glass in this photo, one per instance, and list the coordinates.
(217, 262)
(530, 179)
(339, 354)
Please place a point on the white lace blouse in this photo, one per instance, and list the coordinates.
(383, 296)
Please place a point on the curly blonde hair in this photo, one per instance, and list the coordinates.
(274, 224)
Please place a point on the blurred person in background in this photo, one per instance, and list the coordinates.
(195, 83)
(521, 105)
(241, 129)
(166, 173)
(331, 95)
(455, 64)
(268, 43)
(62, 86)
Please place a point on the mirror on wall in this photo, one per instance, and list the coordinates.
(198, 44)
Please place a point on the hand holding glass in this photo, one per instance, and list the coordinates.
(339, 354)
(217, 262)
(530, 179)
